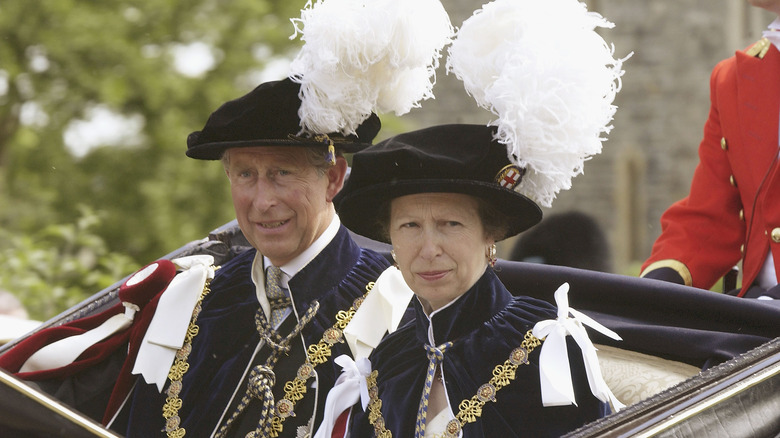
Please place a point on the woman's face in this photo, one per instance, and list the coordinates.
(440, 245)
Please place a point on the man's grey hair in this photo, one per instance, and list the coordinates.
(316, 156)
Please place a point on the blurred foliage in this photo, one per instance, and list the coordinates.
(71, 224)
(59, 266)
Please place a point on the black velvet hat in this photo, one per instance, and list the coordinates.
(268, 116)
(442, 159)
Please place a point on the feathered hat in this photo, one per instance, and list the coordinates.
(551, 79)
(548, 76)
(359, 57)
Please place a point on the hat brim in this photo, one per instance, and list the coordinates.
(357, 209)
(214, 151)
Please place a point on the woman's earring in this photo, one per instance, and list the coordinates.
(491, 255)
(395, 261)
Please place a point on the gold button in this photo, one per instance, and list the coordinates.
(723, 144)
(742, 214)
(742, 248)
(732, 180)
(776, 235)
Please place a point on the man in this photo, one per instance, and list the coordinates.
(248, 349)
(248, 369)
(733, 210)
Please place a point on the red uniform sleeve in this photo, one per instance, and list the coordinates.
(702, 233)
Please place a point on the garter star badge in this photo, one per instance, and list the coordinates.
(509, 177)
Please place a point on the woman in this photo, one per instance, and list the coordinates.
(442, 197)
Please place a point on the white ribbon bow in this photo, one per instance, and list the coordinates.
(554, 371)
(168, 327)
(350, 386)
(380, 313)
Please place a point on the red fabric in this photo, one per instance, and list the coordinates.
(13, 360)
(703, 231)
(126, 380)
(145, 294)
(340, 426)
(150, 290)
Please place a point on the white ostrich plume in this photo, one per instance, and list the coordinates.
(363, 56)
(540, 66)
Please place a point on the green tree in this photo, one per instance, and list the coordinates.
(60, 61)
(59, 266)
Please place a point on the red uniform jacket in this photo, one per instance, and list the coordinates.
(732, 212)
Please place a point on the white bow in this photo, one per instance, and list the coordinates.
(554, 371)
(350, 386)
(168, 327)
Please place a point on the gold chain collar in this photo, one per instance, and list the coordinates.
(468, 410)
(180, 366)
(294, 390)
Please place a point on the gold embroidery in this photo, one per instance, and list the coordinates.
(468, 410)
(318, 353)
(180, 366)
(294, 390)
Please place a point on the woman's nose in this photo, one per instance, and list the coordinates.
(430, 244)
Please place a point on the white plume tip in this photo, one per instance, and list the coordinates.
(364, 56)
(540, 66)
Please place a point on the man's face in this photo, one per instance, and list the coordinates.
(282, 203)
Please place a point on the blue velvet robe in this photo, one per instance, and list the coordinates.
(222, 350)
(485, 325)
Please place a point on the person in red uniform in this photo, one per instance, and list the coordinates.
(732, 212)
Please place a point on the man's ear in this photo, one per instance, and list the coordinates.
(336, 175)
(225, 160)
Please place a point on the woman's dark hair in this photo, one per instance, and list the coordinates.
(494, 221)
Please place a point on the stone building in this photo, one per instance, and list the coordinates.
(650, 155)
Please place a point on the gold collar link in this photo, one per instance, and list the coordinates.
(468, 410)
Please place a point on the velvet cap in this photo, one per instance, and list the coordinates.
(268, 116)
(441, 159)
